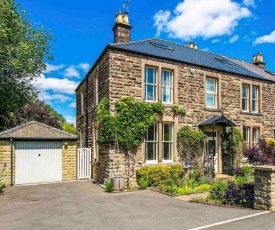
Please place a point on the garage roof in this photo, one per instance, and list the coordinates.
(36, 130)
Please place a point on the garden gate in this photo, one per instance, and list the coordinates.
(83, 163)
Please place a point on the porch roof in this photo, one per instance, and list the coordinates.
(221, 120)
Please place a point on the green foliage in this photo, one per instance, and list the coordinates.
(202, 188)
(156, 175)
(217, 189)
(24, 47)
(109, 186)
(178, 111)
(69, 128)
(129, 123)
(142, 183)
(270, 142)
(248, 171)
(2, 186)
(54, 113)
(190, 144)
(238, 145)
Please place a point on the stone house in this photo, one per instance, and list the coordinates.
(37, 153)
(216, 92)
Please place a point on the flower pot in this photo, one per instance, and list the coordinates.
(119, 183)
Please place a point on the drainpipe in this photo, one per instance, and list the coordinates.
(11, 144)
(87, 119)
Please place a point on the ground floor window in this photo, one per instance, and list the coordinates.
(159, 143)
(256, 136)
(246, 136)
(251, 136)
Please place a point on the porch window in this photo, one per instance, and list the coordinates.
(211, 92)
(151, 144)
(255, 99)
(167, 86)
(256, 136)
(246, 136)
(150, 84)
(167, 141)
(245, 97)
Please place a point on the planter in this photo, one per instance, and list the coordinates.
(119, 183)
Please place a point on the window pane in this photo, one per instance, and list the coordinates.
(166, 94)
(254, 106)
(151, 133)
(166, 151)
(150, 75)
(167, 132)
(245, 91)
(210, 85)
(256, 135)
(244, 104)
(151, 151)
(246, 136)
(167, 78)
(255, 92)
(150, 91)
(210, 100)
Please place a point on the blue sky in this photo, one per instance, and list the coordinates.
(83, 28)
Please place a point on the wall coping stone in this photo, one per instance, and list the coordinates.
(265, 168)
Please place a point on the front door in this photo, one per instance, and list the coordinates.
(211, 152)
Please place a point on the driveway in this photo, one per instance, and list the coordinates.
(83, 205)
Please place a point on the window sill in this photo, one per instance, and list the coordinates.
(251, 114)
(160, 163)
(212, 110)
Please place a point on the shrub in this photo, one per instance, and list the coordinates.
(185, 190)
(202, 188)
(109, 186)
(241, 195)
(2, 185)
(156, 175)
(217, 189)
(142, 183)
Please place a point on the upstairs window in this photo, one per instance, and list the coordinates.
(150, 84)
(255, 98)
(245, 97)
(211, 92)
(167, 86)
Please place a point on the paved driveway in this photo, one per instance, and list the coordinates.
(83, 205)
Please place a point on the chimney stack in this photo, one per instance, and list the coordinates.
(258, 60)
(192, 45)
(122, 28)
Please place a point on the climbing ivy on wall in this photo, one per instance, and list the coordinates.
(129, 122)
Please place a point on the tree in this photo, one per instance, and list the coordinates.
(34, 111)
(24, 47)
(68, 127)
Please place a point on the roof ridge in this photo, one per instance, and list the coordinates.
(131, 42)
(35, 122)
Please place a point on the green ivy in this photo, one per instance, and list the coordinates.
(129, 123)
(178, 111)
(190, 144)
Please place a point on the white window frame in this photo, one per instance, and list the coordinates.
(96, 90)
(167, 88)
(215, 93)
(171, 143)
(255, 138)
(81, 104)
(256, 99)
(155, 142)
(155, 86)
(246, 131)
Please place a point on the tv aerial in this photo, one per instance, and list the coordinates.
(126, 5)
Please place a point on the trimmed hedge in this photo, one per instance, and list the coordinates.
(155, 175)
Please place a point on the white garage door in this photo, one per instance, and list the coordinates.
(38, 162)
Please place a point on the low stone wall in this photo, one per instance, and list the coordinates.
(264, 192)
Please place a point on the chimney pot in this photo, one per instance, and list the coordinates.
(258, 60)
(122, 28)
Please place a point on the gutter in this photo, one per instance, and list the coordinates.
(86, 110)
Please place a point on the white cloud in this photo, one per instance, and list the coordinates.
(265, 39)
(44, 96)
(84, 66)
(51, 68)
(71, 72)
(70, 119)
(55, 84)
(72, 105)
(215, 40)
(234, 38)
(249, 2)
(200, 18)
(205, 49)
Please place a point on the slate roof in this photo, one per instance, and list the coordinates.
(182, 53)
(36, 130)
(217, 120)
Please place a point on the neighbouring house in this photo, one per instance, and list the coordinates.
(37, 153)
(216, 92)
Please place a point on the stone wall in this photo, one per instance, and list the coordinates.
(69, 161)
(264, 192)
(5, 157)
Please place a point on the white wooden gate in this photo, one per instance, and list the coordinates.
(83, 163)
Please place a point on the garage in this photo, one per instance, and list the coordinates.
(37, 153)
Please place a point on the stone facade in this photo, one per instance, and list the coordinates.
(69, 161)
(264, 192)
(123, 75)
(5, 157)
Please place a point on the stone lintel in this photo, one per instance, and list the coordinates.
(265, 168)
